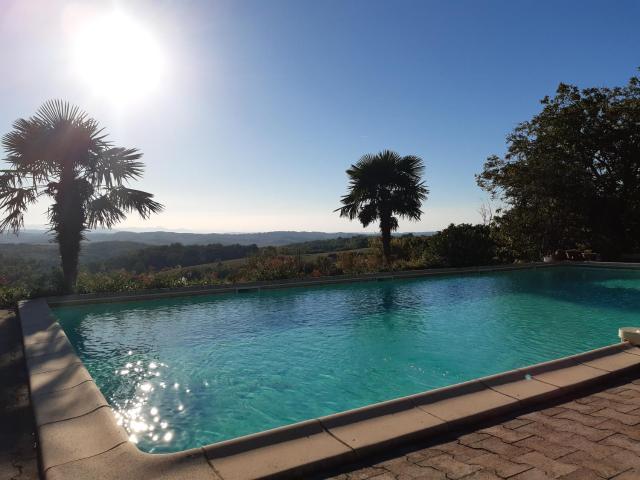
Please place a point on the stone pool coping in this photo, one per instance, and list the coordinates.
(79, 437)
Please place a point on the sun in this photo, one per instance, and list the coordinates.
(117, 58)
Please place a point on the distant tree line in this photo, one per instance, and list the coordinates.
(329, 245)
(174, 255)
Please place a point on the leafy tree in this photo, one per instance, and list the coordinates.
(382, 187)
(63, 154)
(571, 175)
(462, 245)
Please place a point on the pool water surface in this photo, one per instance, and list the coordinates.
(190, 371)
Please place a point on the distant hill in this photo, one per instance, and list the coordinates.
(262, 239)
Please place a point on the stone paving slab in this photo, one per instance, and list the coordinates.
(18, 454)
(592, 436)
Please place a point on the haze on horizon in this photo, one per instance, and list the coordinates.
(248, 113)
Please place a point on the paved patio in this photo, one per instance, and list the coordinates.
(18, 459)
(594, 436)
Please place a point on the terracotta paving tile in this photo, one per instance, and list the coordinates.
(616, 426)
(452, 467)
(382, 476)
(586, 399)
(618, 398)
(553, 411)
(550, 449)
(626, 418)
(460, 452)
(581, 474)
(603, 467)
(506, 434)
(516, 423)
(588, 420)
(535, 416)
(482, 475)
(552, 468)
(629, 387)
(600, 403)
(367, 473)
(597, 450)
(622, 441)
(617, 390)
(581, 407)
(496, 445)
(533, 474)
(420, 455)
(626, 458)
(629, 475)
(472, 438)
(503, 467)
(427, 473)
(407, 469)
(546, 432)
(565, 425)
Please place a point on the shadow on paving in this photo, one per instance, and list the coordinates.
(18, 454)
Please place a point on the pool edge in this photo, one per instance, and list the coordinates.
(79, 437)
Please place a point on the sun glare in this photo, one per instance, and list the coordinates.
(118, 58)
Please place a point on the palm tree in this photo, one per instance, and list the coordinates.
(383, 187)
(63, 154)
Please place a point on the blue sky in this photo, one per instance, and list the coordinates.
(262, 105)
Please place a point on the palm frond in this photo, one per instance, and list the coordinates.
(115, 166)
(59, 136)
(14, 201)
(103, 212)
(382, 185)
(111, 208)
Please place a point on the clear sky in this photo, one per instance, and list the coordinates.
(249, 112)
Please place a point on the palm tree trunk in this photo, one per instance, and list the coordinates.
(69, 245)
(69, 225)
(385, 231)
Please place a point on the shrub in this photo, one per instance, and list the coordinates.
(461, 245)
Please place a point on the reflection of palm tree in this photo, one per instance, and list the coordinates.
(388, 300)
(63, 154)
(381, 187)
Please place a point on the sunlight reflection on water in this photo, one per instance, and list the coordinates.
(137, 414)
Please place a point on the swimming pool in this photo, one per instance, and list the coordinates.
(190, 371)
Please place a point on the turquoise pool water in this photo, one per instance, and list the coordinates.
(191, 371)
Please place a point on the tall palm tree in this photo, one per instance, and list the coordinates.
(382, 187)
(63, 154)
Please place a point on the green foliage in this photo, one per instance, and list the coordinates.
(571, 175)
(356, 263)
(383, 187)
(174, 255)
(460, 245)
(330, 245)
